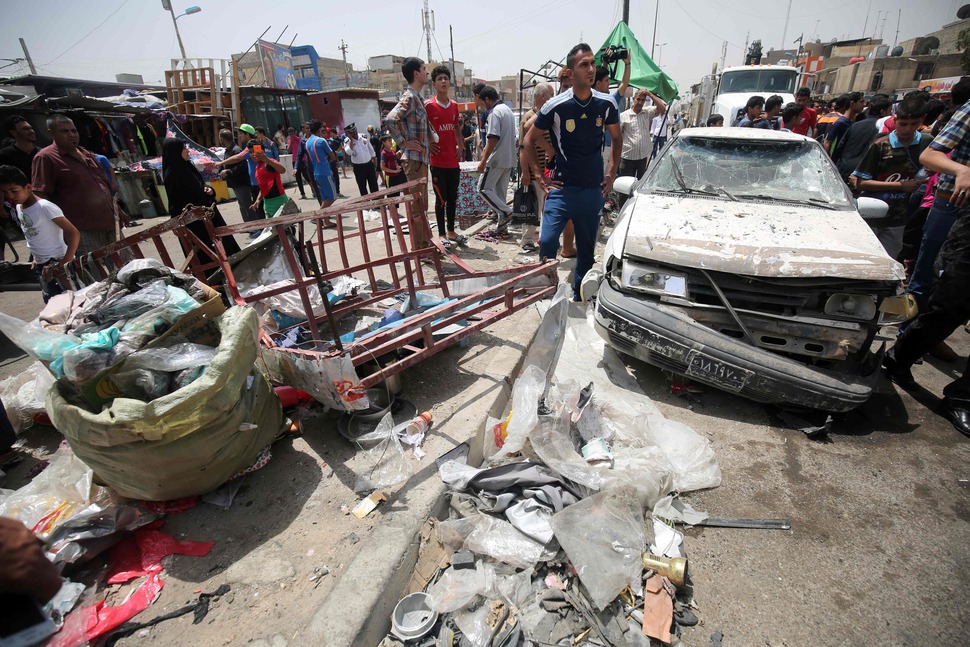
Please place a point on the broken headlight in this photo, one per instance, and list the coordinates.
(898, 309)
(851, 306)
(653, 280)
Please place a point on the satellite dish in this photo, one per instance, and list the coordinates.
(964, 12)
(927, 45)
(833, 41)
(897, 51)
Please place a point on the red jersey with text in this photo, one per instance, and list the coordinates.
(269, 180)
(444, 121)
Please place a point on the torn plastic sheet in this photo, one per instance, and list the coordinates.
(25, 395)
(385, 464)
(331, 380)
(526, 392)
(622, 412)
(674, 509)
(55, 495)
(495, 538)
(457, 474)
(604, 537)
(457, 589)
(531, 518)
(92, 531)
(142, 553)
(84, 625)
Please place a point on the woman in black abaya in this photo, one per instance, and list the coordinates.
(184, 186)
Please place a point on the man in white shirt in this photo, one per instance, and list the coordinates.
(363, 159)
(499, 156)
(659, 129)
(635, 126)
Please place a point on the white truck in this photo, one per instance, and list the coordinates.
(727, 93)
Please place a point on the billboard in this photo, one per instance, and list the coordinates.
(939, 86)
(277, 65)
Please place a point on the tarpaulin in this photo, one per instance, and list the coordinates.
(142, 553)
(645, 73)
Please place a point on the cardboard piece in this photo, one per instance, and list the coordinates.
(658, 609)
(432, 557)
(366, 506)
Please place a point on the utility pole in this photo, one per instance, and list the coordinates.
(784, 32)
(343, 49)
(656, 12)
(723, 55)
(426, 21)
(865, 25)
(451, 43)
(899, 17)
(626, 13)
(30, 61)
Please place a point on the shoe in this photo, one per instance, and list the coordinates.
(303, 196)
(900, 375)
(529, 247)
(341, 196)
(958, 415)
(944, 352)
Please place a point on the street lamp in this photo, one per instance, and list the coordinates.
(660, 54)
(167, 4)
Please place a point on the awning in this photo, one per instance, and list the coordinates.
(95, 105)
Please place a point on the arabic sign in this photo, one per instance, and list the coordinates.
(938, 86)
(277, 65)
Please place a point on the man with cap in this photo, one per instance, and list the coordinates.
(248, 142)
(363, 158)
(374, 135)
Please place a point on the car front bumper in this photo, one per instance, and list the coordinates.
(665, 337)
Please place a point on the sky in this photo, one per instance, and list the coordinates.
(96, 40)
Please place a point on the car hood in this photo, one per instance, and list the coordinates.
(756, 239)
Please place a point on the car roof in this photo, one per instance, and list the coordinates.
(742, 133)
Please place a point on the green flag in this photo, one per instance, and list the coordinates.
(644, 73)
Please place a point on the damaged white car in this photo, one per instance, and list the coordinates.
(742, 261)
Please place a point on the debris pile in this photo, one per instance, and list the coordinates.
(566, 535)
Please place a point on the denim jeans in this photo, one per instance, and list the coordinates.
(937, 227)
(582, 205)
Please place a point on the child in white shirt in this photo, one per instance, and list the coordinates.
(51, 238)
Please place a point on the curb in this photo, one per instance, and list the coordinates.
(357, 611)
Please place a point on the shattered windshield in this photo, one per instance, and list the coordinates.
(796, 172)
(767, 81)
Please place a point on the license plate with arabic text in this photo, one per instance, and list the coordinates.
(717, 372)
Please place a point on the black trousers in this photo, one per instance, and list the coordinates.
(366, 175)
(948, 308)
(445, 182)
(631, 168)
(335, 171)
(303, 174)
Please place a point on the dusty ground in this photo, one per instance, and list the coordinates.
(877, 554)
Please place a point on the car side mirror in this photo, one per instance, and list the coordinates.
(872, 208)
(625, 185)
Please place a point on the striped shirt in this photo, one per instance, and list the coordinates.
(540, 151)
(409, 120)
(955, 137)
(635, 128)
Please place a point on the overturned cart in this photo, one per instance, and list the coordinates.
(344, 308)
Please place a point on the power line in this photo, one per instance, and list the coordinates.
(686, 13)
(87, 34)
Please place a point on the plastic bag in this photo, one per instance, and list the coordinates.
(691, 455)
(176, 357)
(134, 304)
(143, 383)
(55, 495)
(83, 363)
(38, 342)
(386, 462)
(142, 329)
(473, 624)
(604, 537)
(24, 395)
(495, 538)
(457, 589)
(526, 392)
(103, 340)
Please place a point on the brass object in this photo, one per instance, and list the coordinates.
(673, 568)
